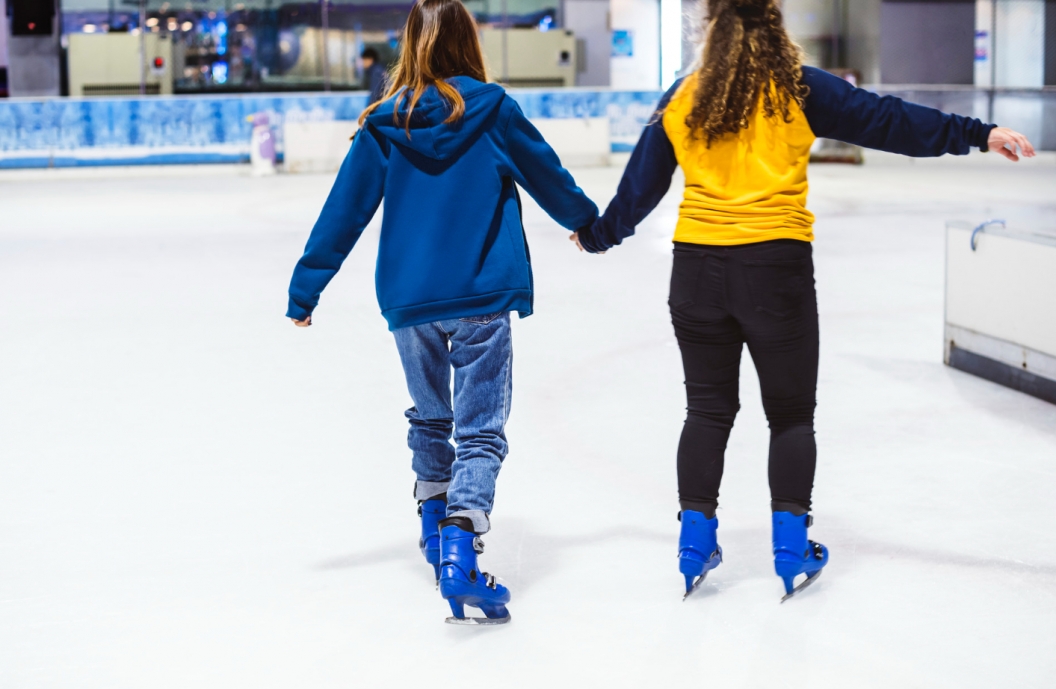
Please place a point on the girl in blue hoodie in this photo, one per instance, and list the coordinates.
(445, 151)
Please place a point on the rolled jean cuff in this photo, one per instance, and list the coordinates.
(481, 523)
(424, 490)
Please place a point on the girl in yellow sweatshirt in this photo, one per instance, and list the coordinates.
(741, 128)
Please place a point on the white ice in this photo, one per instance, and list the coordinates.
(194, 493)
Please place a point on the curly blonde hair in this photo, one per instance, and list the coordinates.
(746, 50)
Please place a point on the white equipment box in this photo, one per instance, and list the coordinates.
(578, 141)
(1001, 305)
(316, 146)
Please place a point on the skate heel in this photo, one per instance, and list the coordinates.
(698, 548)
(794, 554)
(431, 512)
(788, 570)
(462, 583)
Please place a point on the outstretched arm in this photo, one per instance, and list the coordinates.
(645, 181)
(837, 110)
(538, 170)
(353, 200)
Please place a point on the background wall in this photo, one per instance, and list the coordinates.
(589, 20)
(863, 38)
(811, 24)
(1020, 50)
(3, 39)
(33, 63)
(641, 70)
(927, 42)
(1050, 43)
(692, 32)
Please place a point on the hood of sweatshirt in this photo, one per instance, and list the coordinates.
(429, 135)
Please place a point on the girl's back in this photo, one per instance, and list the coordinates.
(745, 185)
(445, 151)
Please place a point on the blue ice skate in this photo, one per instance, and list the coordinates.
(462, 583)
(698, 548)
(794, 554)
(431, 512)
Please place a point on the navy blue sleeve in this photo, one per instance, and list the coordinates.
(353, 200)
(538, 170)
(646, 179)
(837, 110)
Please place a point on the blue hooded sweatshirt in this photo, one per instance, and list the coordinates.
(452, 243)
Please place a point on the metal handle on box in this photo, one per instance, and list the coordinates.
(982, 228)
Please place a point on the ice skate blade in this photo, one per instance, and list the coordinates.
(478, 620)
(807, 582)
(696, 585)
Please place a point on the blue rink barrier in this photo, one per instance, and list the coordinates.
(168, 130)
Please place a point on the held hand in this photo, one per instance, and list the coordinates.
(575, 238)
(1004, 141)
(302, 324)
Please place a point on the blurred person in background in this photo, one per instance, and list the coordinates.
(374, 76)
(446, 152)
(741, 128)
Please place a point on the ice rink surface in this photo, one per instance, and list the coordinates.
(194, 493)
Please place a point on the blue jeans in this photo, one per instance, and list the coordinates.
(480, 352)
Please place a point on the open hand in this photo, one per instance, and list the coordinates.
(302, 324)
(1005, 140)
(575, 238)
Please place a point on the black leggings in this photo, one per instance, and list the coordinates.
(723, 297)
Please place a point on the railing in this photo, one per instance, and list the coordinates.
(67, 132)
(59, 132)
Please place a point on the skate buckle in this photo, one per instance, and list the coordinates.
(478, 545)
(489, 580)
(419, 509)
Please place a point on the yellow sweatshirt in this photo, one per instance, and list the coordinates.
(752, 186)
(746, 187)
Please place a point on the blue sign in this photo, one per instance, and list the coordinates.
(622, 43)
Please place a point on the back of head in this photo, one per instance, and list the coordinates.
(745, 51)
(440, 41)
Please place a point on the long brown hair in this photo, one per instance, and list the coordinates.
(440, 41)
(746, 50)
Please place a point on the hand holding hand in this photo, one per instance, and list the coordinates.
(1004, 141)
(575, 238)
(302, 324)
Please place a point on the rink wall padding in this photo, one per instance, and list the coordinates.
(1000, 301)
(166, 130)
(1002, 374)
